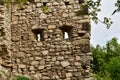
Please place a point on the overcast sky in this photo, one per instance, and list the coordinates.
(99, 33)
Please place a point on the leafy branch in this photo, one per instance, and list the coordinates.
(94, 8)
(117, 5)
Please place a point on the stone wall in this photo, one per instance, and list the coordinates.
(5, 36)
(38, 45)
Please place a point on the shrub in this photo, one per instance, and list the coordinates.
(19, 77)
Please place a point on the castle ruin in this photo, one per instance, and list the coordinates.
(45, 39)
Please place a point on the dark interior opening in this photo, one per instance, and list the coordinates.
(38, 33)
(81, 34)
(44, 3)
(2, 33)
(66, 31)
(67, 3)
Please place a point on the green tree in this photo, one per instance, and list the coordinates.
(106, 60)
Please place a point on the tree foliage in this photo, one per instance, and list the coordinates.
(117, 5)
(106, 63)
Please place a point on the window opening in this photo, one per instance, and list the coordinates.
(66, 32)
(38, 34)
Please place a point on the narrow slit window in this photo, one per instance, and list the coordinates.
(38, 37)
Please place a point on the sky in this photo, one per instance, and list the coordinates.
(99, 33)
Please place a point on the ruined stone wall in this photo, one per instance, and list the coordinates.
(5, 36)
(38, 45)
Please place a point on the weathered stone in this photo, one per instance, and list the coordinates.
(60, 58)
(22, 66)
(35, 63)
(51, 26)
(20, 54)
(31, 68)
(91, 78)
(81, 41)
(55, 77)
(65, 14)
(43, 16)
(34, 35)
(45, 52)
(41, 67)
(37, 0)
(77, 64)
(57, 63)
(39, 4)
(53, 58)
(38, 58)
(68, 75)
(78, 58)
(42, 62)
(37, 76)
(39, 44)
(65, 63)
(45, 78)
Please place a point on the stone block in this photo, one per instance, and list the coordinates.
(41, 67)
(35, 63)
(22, 66)
(81, 41)
(43, 16)
(39, 44)
(68, 75)
(31, 68)
(45, 52)
(37, 0)
(65, 63)
(51, 26)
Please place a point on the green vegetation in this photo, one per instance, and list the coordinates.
(6, 75)
(20, 2)
(45, 9)
(106, 61)
(82, 11)
(18, 77)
